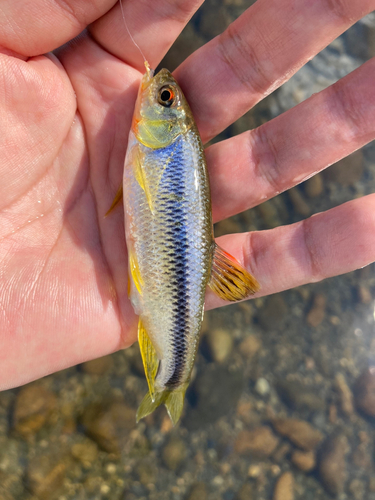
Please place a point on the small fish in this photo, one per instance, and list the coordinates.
(169, 235)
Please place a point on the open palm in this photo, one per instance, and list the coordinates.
(63, 132)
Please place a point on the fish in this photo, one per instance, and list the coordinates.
(172, 252)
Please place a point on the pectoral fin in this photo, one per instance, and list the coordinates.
(142, 180)
(135, 272)
(116, 200)
(229, 280)
(149, 358)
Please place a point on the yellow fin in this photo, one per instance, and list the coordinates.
(116, 200)
(134, 270)
(149, 358)
(142, 179)
(148, 404)
(229, 280)
(173, 400)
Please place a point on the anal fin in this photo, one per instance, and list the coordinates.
(229, 280)
(149, 358)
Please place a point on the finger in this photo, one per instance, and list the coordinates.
(327, 244)
(34, 27)
(258, 52)
(153, 25)
(292, 147)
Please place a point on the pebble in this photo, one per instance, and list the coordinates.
(284, 488)
(298, 396)
(304, 460)
(300, 205)
(244, 493)
(174, 453)
(198, 492)
(314, 186)
(364, 392)
(86, 452)
(273, 313)
(98, 366)
(220, 344)
(268, 213)
(345, 394)
(259, 442)
(34, 405)
(250, 346)
(262, 387)
(332, 464)
(45, 476)
(347, 171)
(299, 432)
(109, 424)
(357, 489)
(318, 311)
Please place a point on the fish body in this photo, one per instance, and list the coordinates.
(169, 235)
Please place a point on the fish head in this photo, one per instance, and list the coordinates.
(161, 111)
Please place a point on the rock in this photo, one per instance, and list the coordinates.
(317, 313)
(299, 396)
(284, 489)
(45, 476)
(357, 489)
(245, 492)
(364, 392)
(147, 473)
(299, 203)
(268, 213)
(86, 452)
(314, 186)
(332, 464)
(174, 453)
(304, 460)
(34, 405)
(109, 424)
(365, 294)
(262, 387)
(98, 366)
(250, 346)
(198, 492)
(347, 171)
(260, 442)
(220, 344)
(345, 394)
(273, 313)
(299, 432)
(214, 393)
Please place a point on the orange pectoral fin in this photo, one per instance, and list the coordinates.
(229, 280)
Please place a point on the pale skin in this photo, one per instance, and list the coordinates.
(64, 124)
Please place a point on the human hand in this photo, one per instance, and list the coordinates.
(63, 293)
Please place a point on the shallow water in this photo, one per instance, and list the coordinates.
(303, 354)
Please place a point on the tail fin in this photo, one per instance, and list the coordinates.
(173, 400)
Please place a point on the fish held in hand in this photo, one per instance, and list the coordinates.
(169, 235)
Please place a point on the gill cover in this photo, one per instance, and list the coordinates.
(161, 111)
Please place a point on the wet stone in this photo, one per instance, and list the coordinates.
(215, 393)
(345, 394)
(98, 366)
(318, 311)
(220, 344)
(284, 488)
(250, 346)
(198, 491)
(364, 392)
(174, 453)
(304, 460)
(273, 313)
(298, 396)
(259, 442)
(34, 405)
(45, 476)
(299, 203)
(109, 424)
(245, 492)
(299, 432)
(86, 452)
(347, 171)
(332, 464)
(314, 186)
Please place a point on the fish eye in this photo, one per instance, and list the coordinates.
(166, 96)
